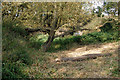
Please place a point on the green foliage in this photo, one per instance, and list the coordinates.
(13, 45)
(116, 72)
(15, 26)
(37, 40)
(106, 35)
(39, 37)
(92, 38)
(16, 53)
(20, 55)
(13, 70)
(48, 18)
(110, 26)
(110, 7)
(107, 27)
(99, 12)
(17, 50)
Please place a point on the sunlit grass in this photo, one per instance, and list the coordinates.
(66, 42)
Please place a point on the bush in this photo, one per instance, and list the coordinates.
(77, 39)
(107, 27)
(100, 37)
(88, 40)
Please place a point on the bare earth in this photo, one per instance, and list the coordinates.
(91, 49)
(100, 67)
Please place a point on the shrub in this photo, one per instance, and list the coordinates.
(107, 27)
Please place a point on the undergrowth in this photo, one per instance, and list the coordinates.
(15, 51)
(64, 43)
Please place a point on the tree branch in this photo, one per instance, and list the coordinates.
(68, 32)
(29, 30)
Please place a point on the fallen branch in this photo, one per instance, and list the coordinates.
(81, 58)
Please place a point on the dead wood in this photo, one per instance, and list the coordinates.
(83, 57)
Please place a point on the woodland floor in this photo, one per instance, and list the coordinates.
(43, 64)
(93, 68)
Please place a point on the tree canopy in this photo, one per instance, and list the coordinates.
(46, 17)
(110, 8)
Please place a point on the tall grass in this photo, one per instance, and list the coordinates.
(15, 51)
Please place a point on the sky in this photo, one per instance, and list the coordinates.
(95, 4)
(99, 3)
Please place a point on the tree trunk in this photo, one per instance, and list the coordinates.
(47, 44)
(119, 10)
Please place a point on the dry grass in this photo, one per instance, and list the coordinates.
(101, 67)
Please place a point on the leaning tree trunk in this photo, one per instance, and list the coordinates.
(47, 44)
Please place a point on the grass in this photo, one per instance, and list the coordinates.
(101, 67)
(22, 58)
(16, 55)
(66, 42)
(108, 33)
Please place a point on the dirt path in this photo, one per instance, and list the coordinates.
(94, 49)
(89, 50)
(101, 67)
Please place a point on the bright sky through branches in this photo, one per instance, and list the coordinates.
(97, 3)
(94, 4)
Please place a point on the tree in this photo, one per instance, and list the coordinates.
(110, 8)
(46, 17)
(99, 12)
(93, 11)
